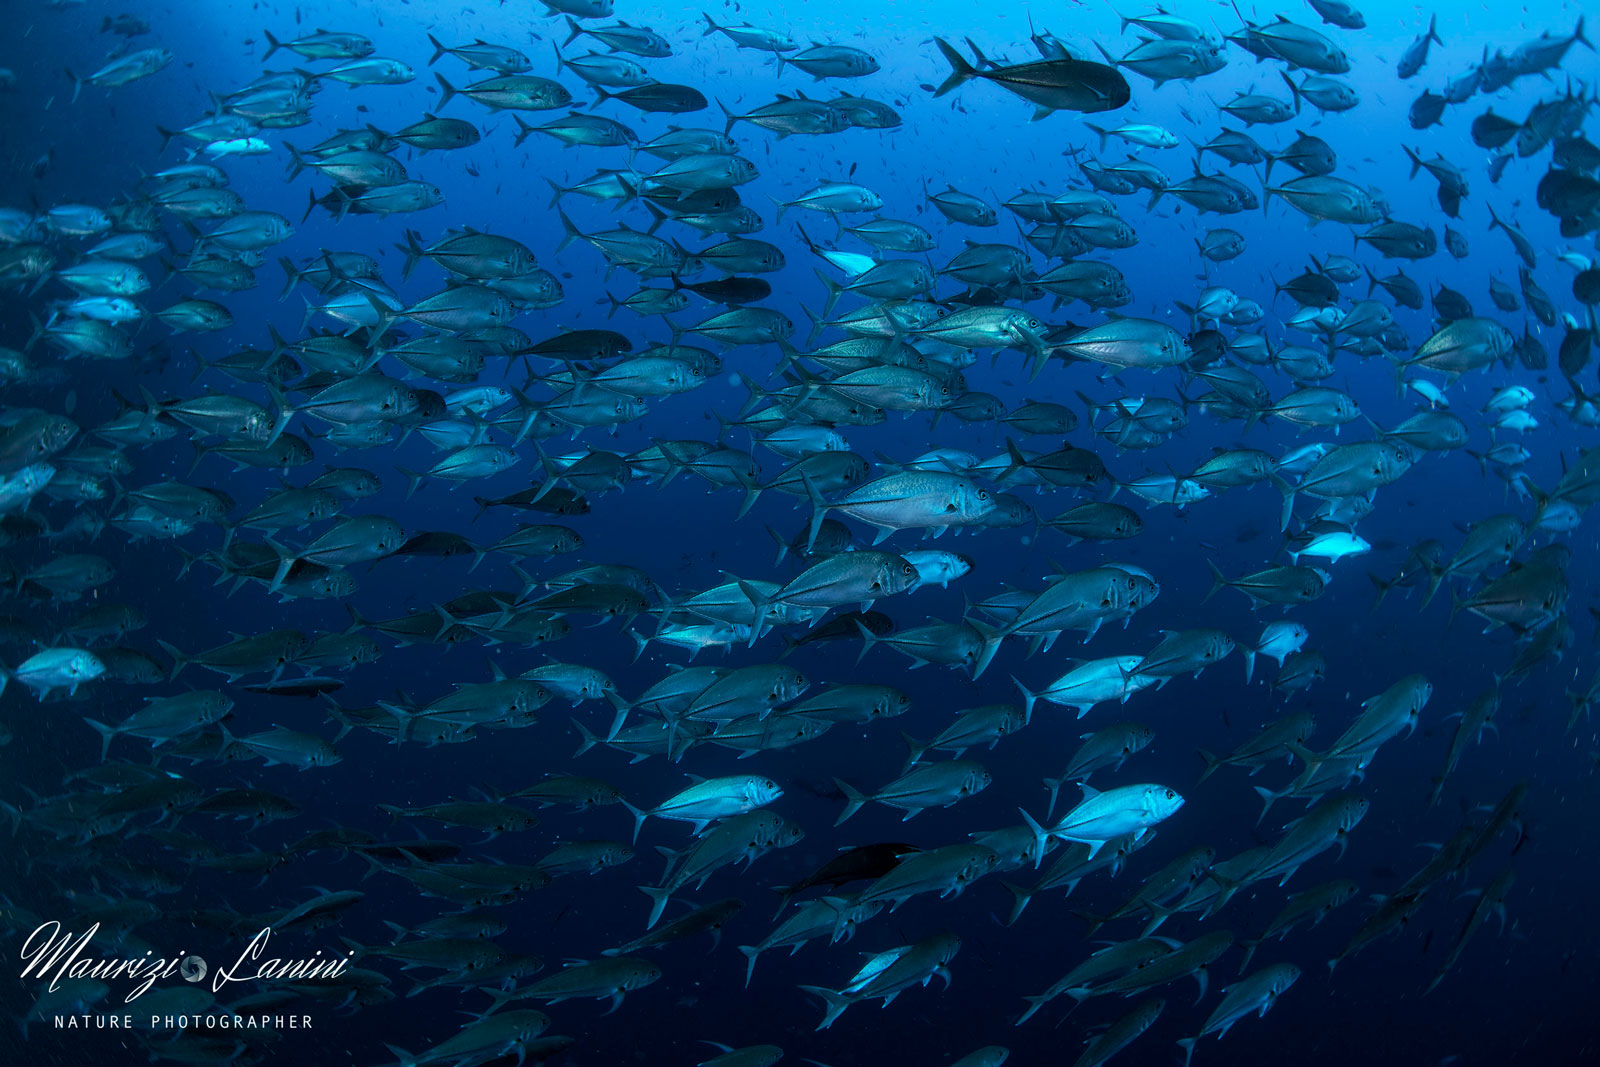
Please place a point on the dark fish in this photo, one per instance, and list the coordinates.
(298, 687)
(1308, 155)
(581, 346)
(1450, 305)
(419, 851)
(1311, 289)
(1576, 153)
(846, 627)
(1416, 53)
(1568, 193)
(1493, 131)
(856, 864)
(557, 501)
(1586, 286)
(659, 96)
(732, 290)
(1427, 110)
(1051, 84)
(439, 544)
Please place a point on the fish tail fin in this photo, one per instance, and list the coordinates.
(574, 31)
(589, 739)
(914, 748)
(1218, 582)
(1029, 697)
(1041, 839)
(1250, 947)
(639, 816)
(1294, 90)
(868, 639)
(414, 480)
(834, 291)
(413, 252)
(1212, 761)
(1093, 921)
(446, 90)
(557, 193)
(1436, 575)
(273, 44)
(752, 493)
(711, 25)
(1017, 461)
(757, 393)
(751, 954)
(570, 233)
(1054, 786)
(759, 603)
(1022, 897)
(1383, 584)
(992, 639)
(1034, 1004)
(1268, 798)
(620, 708)
(1416, 160)
(781, 205)
(179, 660)
(439, 50)
(106, 734)
(523, 130)
(783, 545)
(659, 896)
(819, 510)
(854, 800)
(835, 1003)
(297, 161)
(960, 70)
(1433, 29)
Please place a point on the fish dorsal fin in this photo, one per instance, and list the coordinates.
(1089, 791)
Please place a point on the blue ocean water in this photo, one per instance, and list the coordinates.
(1522, 990)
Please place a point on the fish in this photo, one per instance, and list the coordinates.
(1257, 993)
(1061, 84)
(1101, 817)
(1010, 375)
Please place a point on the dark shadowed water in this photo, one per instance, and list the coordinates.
(1524, 987)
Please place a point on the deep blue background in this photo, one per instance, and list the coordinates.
(1524, 996)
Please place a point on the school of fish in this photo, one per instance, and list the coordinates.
(246, 463)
